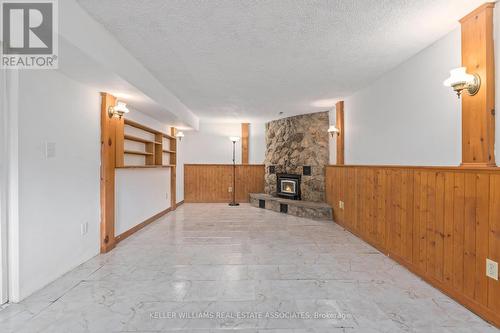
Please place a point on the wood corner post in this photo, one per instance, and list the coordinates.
(339, 107)
(478, 111)
(173, 170)
(109, 128)
(245, 135)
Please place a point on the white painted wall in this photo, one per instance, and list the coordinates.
(140, 194)
(408, 117)
(211, 145)
(12, 182)
(179, 176)
(332, 140)
(257, 144)
(144, 119)
(56, 194)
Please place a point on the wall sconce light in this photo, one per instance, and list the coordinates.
(179, 135)
(460, 80)
(333, 130)
(118, 110)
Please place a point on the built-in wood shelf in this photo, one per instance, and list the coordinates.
(137, 139)
(137, 152)
(142, 127)
(154, 147)
(147, 129)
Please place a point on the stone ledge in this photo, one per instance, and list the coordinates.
(308, 209)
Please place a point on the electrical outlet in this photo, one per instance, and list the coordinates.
(84, 228)
(492, 269)
(341, 204)
(230, 189)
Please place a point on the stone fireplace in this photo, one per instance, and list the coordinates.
(298, 146)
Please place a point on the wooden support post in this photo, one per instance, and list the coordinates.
(158, 150)
(244, 142)
(173, 171)
(119, 125)
(339, 106)
(478, 111)
(109, 129)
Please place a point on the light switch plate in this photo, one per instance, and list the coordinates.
(341, 204)
(49, 150)
(230, 189)
(491, 269)
(84, 228)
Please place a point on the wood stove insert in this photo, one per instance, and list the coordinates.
(288, 186)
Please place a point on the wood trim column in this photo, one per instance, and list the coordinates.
(478, 111)
(339, 107)
(107, 181)
(173, 169)
(119, 142)
(244, 142)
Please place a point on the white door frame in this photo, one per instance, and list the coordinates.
(9, 186)
(3, 187)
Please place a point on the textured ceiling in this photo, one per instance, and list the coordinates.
(239, 60)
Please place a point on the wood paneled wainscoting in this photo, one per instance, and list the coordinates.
(211, 182)
(441, 223)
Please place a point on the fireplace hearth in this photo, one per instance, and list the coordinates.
(288, 186)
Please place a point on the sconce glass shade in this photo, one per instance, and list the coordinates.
(118, 110)
(458, 76)
(460, 80)
(234, 138)
(333, 130)
(121, 107)
(179, 135)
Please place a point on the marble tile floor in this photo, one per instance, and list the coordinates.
(215, 268)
